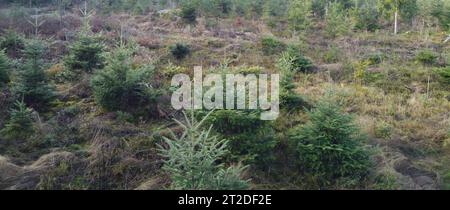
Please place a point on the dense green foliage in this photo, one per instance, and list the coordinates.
(426, 57)
(179, 51)
(319, 7)
(32, 84)
(444, 73)
(12, 43)
(271, 45)
(193, 160)
(250, 139)
(367, 15)
(85, 54)
(119, 87)
(299, 15)
(408, 9)
(20, 123)
(336, 20)
(329, 146)
(439, 10)
(188, 13)
(288, 97)
(297, 61)
(4, 68)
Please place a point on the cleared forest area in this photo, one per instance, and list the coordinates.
(85, 94)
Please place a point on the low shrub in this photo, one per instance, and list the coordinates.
(271, 45)
(376, 58)
(295, 61)
(180, 51)
(332, 55)
(427, 57)
(444, 74)
(383, 130)
(299, 63)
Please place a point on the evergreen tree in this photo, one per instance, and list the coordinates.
(222, 7)
(408, 9)
(337, 22)
(189, 12)
(32, 84)
(12, 43)
(440, 10)
(275, 8)
(251, 140)
(271, 45)
(193, 160)
(240, 7)
(20, 124)
(179, 50)
(255, 8)
(319, 7)
(299, 15)
(119, 87)
(86, 53)
(288, 97)
(4, 68)
(367, 15)
(297, 62)
(330, 145)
